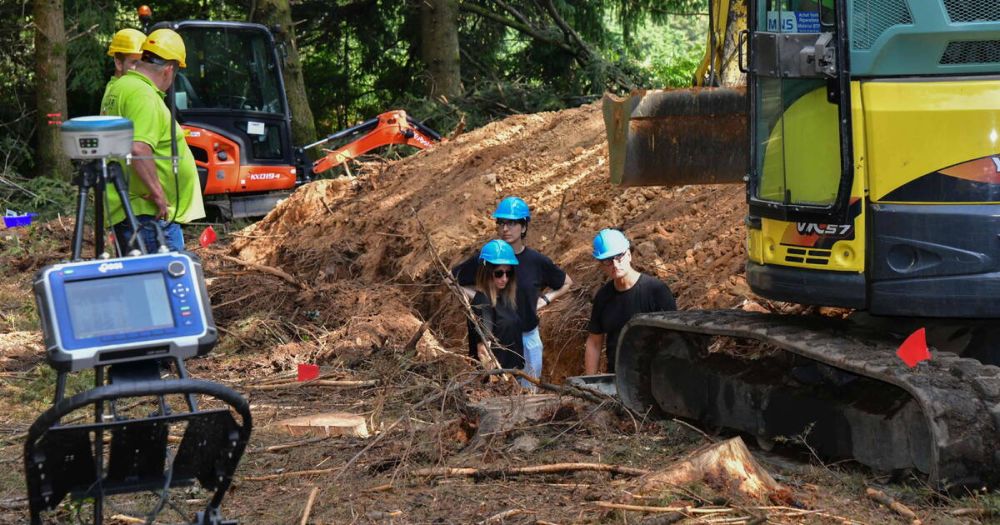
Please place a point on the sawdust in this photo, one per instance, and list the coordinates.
(359, 237)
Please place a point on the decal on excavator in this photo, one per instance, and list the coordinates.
(837, 230)
(976, 180)
(265, 176)
(793, 22)
(818, 235)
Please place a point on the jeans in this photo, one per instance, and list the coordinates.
(532, 355)
(172, 233)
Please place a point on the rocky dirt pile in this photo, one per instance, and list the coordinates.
(359, 251)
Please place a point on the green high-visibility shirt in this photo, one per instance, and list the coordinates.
(135, 97)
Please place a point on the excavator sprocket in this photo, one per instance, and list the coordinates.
(838, 386)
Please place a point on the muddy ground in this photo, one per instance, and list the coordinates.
(344, 274)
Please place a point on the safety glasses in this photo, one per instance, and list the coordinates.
(611, 260)
(508, 223)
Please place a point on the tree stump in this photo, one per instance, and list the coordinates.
(727, 467)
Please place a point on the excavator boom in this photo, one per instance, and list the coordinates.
(391, 127)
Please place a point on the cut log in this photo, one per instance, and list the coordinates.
(327, 424)
(502, 414)
(727, 467)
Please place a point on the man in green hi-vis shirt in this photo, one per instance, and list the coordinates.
(156, 193)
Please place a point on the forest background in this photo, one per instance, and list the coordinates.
(444, 61)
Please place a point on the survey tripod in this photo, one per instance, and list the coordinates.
(135, 402)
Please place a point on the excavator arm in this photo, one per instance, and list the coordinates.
(391, 127)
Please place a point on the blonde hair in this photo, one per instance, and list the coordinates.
(486, 284)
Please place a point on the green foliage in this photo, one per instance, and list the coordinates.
(361, 57)
(46, 196)
(672, 50)
(17, 107)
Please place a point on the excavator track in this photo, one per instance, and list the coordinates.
(941, 417)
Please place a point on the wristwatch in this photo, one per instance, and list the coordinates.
(546, 299)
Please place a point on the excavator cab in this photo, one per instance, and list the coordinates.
(231, 101)
(795, 110)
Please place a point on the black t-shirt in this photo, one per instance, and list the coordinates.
(612, 309)
(535, 272)
(502, 321)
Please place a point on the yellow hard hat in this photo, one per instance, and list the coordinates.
(166, 44)
(128, 41)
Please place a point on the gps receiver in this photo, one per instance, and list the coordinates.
(102, 312)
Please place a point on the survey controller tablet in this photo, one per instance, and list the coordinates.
(102, 312)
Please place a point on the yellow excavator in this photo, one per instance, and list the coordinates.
(867, 133)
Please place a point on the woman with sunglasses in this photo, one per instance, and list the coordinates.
(627, 292)
(495, 304)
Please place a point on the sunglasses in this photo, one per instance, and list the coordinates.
(610, 260)
(501, 273)
(507, 223)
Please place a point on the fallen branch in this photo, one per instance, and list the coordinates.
(123, 518)
(776, 511)
(379, 515)
(266, 269)
(687, 509)
(290, 474)
(411, 345)
(315, 382)
(14, 503)
(567, 389)
(884, 499)
(976, 513)
(500, 516)
(309, 506)
(555, 468)
(286, 446)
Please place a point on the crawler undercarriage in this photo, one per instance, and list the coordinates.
(838, 386)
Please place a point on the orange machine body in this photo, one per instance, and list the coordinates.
(220, 158)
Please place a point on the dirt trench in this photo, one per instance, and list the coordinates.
(358, 248)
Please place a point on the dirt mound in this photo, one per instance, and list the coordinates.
(364, 233)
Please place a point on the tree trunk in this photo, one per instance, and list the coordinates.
(439, 47)
(50, 87)
(278, 13)
(729, 70)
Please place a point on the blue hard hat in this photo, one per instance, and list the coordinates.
(609, 243)
(512, 208)
(498, 252)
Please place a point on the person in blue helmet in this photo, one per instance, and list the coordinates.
(495, 304)
(539, 280)
(628, 292)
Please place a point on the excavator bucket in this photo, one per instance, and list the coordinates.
(677, 137)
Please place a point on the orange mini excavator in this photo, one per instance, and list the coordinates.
(231, 102)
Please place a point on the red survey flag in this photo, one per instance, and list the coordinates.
(914, 349)
(308, 372)
(207, 237)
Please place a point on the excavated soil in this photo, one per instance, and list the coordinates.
(349, 239)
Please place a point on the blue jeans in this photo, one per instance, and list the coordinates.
(172, 233)
(532, 355)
